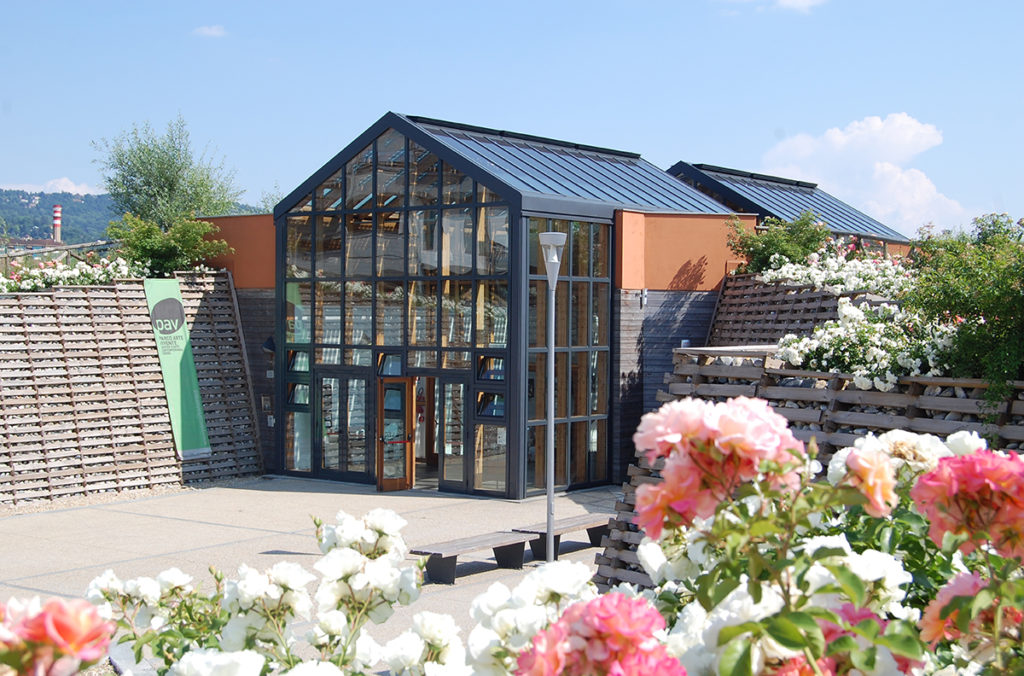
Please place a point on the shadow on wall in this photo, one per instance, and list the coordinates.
(690, 275)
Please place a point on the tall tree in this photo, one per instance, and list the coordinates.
(157, 178)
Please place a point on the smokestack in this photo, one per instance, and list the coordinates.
(56, 222)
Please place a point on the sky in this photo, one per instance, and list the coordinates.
(909, 110)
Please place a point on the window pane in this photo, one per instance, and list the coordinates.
(456, 313)
(358, 244)
(390, 311)
(536, 386)
(580, 440)
(580, 314)
(390, 244)
(423, 303)
(580, 236)
(486, 194)
(359, 180)
(305, 204)
(455, 360)
(457, 244)
(451, 431)
(297, 312)
(328, 247)
(598, 448)
(391, 169)
(490, 405)
(492, 241)
(537, 225)
(298, 361)
(539, 313)
(490, 368)
(423, 243)
(328, 356)
(298, 393)
(356, 427)
(390, 365)
(600, 315)
(422, 359)
(328, 194)
(358, 320)
(536, 459)
(423, 184)
(297, 453)
(456, 187)
(328, 313)
(601, 250)
(298, 254)
(358, 357)
(598, 383)
(580, 383)
(331, 406)
(561, 384)
(492, 314)
(491, 451)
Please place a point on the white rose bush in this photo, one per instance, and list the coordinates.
(81, 273)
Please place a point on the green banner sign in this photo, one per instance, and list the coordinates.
(181, 383)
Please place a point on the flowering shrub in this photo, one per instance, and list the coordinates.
(56, 637)
(52, 273)
(876, 345)
(838, 577)
(839, 267)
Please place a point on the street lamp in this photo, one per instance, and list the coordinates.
(551, 244)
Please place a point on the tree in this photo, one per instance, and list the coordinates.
(157, 178)
(795, 240)
(184, 245)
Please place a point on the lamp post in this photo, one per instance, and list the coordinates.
(551, 244)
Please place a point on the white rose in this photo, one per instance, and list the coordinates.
(334, 622)
(404, 651)
(214, 663)
(436, 629)
(384, 521)
(339, 564)
(173, 577)
(965, 443)
(315, 668)
(290, 575)
(145, 588)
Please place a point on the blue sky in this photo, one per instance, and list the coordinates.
(908, 109)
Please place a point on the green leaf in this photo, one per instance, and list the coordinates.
(983, 600)
(864, 659)
(785, 632)
(827, 553)
(811, 630)
(727, 634)
(850, 583)
(904, 646)
(842, 645)
(737, 659)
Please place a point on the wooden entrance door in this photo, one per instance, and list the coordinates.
(395, 460)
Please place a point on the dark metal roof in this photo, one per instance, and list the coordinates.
(541, 169)
(783, 198)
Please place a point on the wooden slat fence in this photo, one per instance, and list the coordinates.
(825, 406)
(751, 312)
(82, 404)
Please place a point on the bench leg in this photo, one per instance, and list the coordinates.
(596, 533)
(539, 547)
(441, 568)
(510, 556)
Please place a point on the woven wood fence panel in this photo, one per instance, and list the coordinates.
(752, 313)
(82, 404)
(824, 406)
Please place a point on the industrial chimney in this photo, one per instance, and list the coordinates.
(56, 222)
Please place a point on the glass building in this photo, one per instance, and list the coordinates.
(411, 308)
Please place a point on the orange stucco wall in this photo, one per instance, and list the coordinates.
(252, 238)
(674, 252)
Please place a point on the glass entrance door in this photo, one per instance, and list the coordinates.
(395, 461)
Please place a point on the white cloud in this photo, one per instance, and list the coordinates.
(63, 184)
(865, 164)
(799, 5)
(803, 6)
(210, 31)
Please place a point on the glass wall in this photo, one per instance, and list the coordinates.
(397, 253)
(582, 363)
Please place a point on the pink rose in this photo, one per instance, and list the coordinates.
(871, 473)
(73, 627)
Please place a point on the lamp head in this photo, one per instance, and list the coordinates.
(551, 245)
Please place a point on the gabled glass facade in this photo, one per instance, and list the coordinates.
(410, 315)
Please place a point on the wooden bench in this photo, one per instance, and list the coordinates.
(508, 547)
(596, 526)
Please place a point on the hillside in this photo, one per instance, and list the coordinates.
(85, 217)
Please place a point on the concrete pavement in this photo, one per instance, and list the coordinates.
(259, 522)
